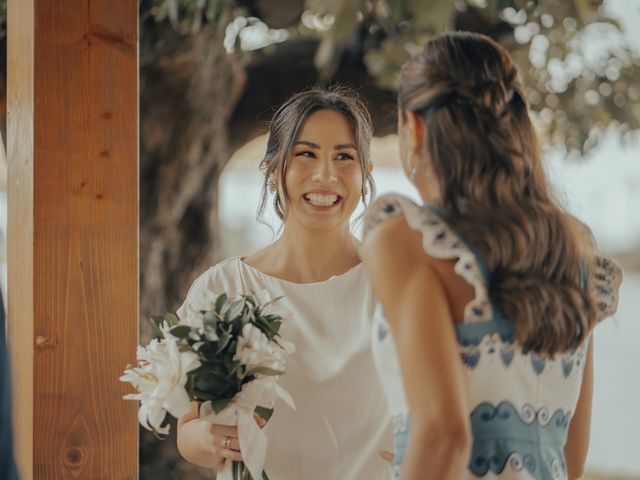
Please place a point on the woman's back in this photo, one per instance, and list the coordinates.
(520, 403)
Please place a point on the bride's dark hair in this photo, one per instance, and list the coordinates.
(482, 148)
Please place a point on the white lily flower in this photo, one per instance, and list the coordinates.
(160, 380)
(165, 330)
(192, 317)
(255, 350)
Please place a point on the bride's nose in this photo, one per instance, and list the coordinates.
(325, 172)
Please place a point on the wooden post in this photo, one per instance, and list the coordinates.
(73, 234)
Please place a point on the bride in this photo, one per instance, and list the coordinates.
(317, 169)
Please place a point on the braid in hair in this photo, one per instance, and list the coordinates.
(483, 151)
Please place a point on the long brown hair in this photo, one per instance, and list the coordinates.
(287, 122)
(482, 148)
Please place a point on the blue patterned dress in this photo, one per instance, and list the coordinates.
(521, 404)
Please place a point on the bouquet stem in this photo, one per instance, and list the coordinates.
(240, 471)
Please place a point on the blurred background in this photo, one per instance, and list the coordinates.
(212, 72)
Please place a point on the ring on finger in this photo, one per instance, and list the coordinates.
(226, 443)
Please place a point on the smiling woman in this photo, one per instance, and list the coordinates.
(324, 126)
(317, 168)
(324, 178)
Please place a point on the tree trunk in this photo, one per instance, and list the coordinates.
(185, 103)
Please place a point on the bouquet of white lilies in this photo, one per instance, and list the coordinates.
(226, 354)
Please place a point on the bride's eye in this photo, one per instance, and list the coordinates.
(305, 153)
(344, 156)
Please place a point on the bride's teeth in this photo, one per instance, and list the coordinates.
(321, 200)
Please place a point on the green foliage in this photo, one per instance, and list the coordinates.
(220, 376)
(574, 99)
(187, 16)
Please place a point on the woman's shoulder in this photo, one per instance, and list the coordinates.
(217, 279)
(394, 214)
(221, 270)
(387, 207)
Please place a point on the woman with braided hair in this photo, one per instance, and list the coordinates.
(489, 290)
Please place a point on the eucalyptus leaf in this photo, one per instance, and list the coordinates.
(211, 317)
(210, 333)
(181, 331)
(156, 322)
(220, 301)
(235, 309)
(171, 319)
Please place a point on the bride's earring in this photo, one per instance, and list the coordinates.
(271, 185)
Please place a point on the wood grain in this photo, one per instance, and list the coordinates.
(85, 241)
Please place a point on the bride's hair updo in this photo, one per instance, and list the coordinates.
(482, 148)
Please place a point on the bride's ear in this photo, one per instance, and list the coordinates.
(416, 132)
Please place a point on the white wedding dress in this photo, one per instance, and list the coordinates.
(341, 420)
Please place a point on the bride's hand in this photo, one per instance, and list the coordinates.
(222, 441)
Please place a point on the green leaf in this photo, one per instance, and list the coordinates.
(184, 348)
(235, 310)
(264, 371)
(264, 413)
(156, 321)
(211, 318)
(181, 331)
(250, 299)
(612, 21)
(209, 391)
(171, 319)
(219, 404)
(225, 337)
(220, 301)
(233, 370)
